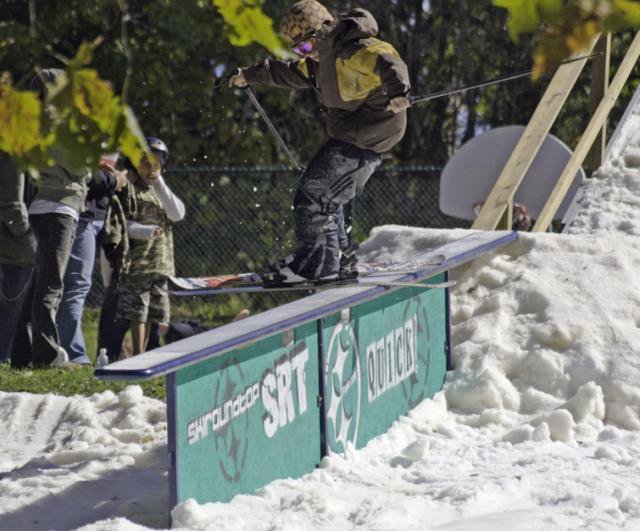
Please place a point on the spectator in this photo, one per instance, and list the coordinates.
(77, 280)
(111, 329)
(17, 256)
(521, 218)
(53, 215)
(149, 207)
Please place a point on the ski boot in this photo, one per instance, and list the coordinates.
(348, 262)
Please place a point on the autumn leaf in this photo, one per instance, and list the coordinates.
(82, 119)
(566, 27)
(20, 113)
(94, 98)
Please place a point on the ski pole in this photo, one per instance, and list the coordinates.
(272, 128)
(494, 81)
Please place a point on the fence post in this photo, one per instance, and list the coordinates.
(599, 86)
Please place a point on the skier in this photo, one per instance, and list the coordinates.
(365, 86)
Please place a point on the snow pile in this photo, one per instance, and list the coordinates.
(610, 201)
(532, 425)
(538, 425)
(68, 461)
(552, 335)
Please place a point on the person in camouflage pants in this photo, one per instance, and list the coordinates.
(150, 209)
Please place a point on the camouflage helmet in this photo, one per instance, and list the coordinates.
(304, 17)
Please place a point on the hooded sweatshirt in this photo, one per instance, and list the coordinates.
(355, 77)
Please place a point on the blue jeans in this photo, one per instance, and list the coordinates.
(14, 286)
(77, 284)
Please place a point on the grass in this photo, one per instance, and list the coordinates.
(68, 382)
(208, 312)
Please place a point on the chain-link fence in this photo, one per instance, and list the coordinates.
(240, 219)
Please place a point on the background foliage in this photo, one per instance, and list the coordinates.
(174, 51)
(566, 27)
(163, 57)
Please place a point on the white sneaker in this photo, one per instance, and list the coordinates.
(62, 359)
(102, 358)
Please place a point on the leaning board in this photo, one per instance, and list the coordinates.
(268, 396)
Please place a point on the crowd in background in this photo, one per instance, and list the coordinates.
(53, 226)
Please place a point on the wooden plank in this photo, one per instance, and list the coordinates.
(527, 147)
(589, 135)
(506, 221)
(599, 84)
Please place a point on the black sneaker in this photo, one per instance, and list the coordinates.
(348, 262)
(286, 276)
(283, 275)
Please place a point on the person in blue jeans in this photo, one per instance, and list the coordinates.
(78, 276)
(17, 255)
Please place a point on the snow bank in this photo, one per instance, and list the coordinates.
(610, 200)
(538, 425)
(69, 461)
(533, 417)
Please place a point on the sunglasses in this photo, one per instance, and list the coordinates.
(304, 48)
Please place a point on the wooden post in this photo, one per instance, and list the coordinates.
(591, 132)
(599, 85)
(506, 221)
(527, 147)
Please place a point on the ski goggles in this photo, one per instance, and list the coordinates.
(304, 48)
(305, 44)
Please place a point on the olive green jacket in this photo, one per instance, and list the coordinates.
(355, 77)
(17, 242)
(58, 184)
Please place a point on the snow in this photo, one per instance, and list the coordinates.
(537, 427)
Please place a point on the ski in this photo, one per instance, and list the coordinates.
(254, 279)
(196, 283)
(258, 287)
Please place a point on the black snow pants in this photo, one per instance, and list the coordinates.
(337, 174)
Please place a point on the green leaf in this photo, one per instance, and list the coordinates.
(82, 119)
(248, 24)
(20, 113)
(132, 142)
(623, 14)
(524, 16)
(95, 98)
(550, 10)
(84, 55)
